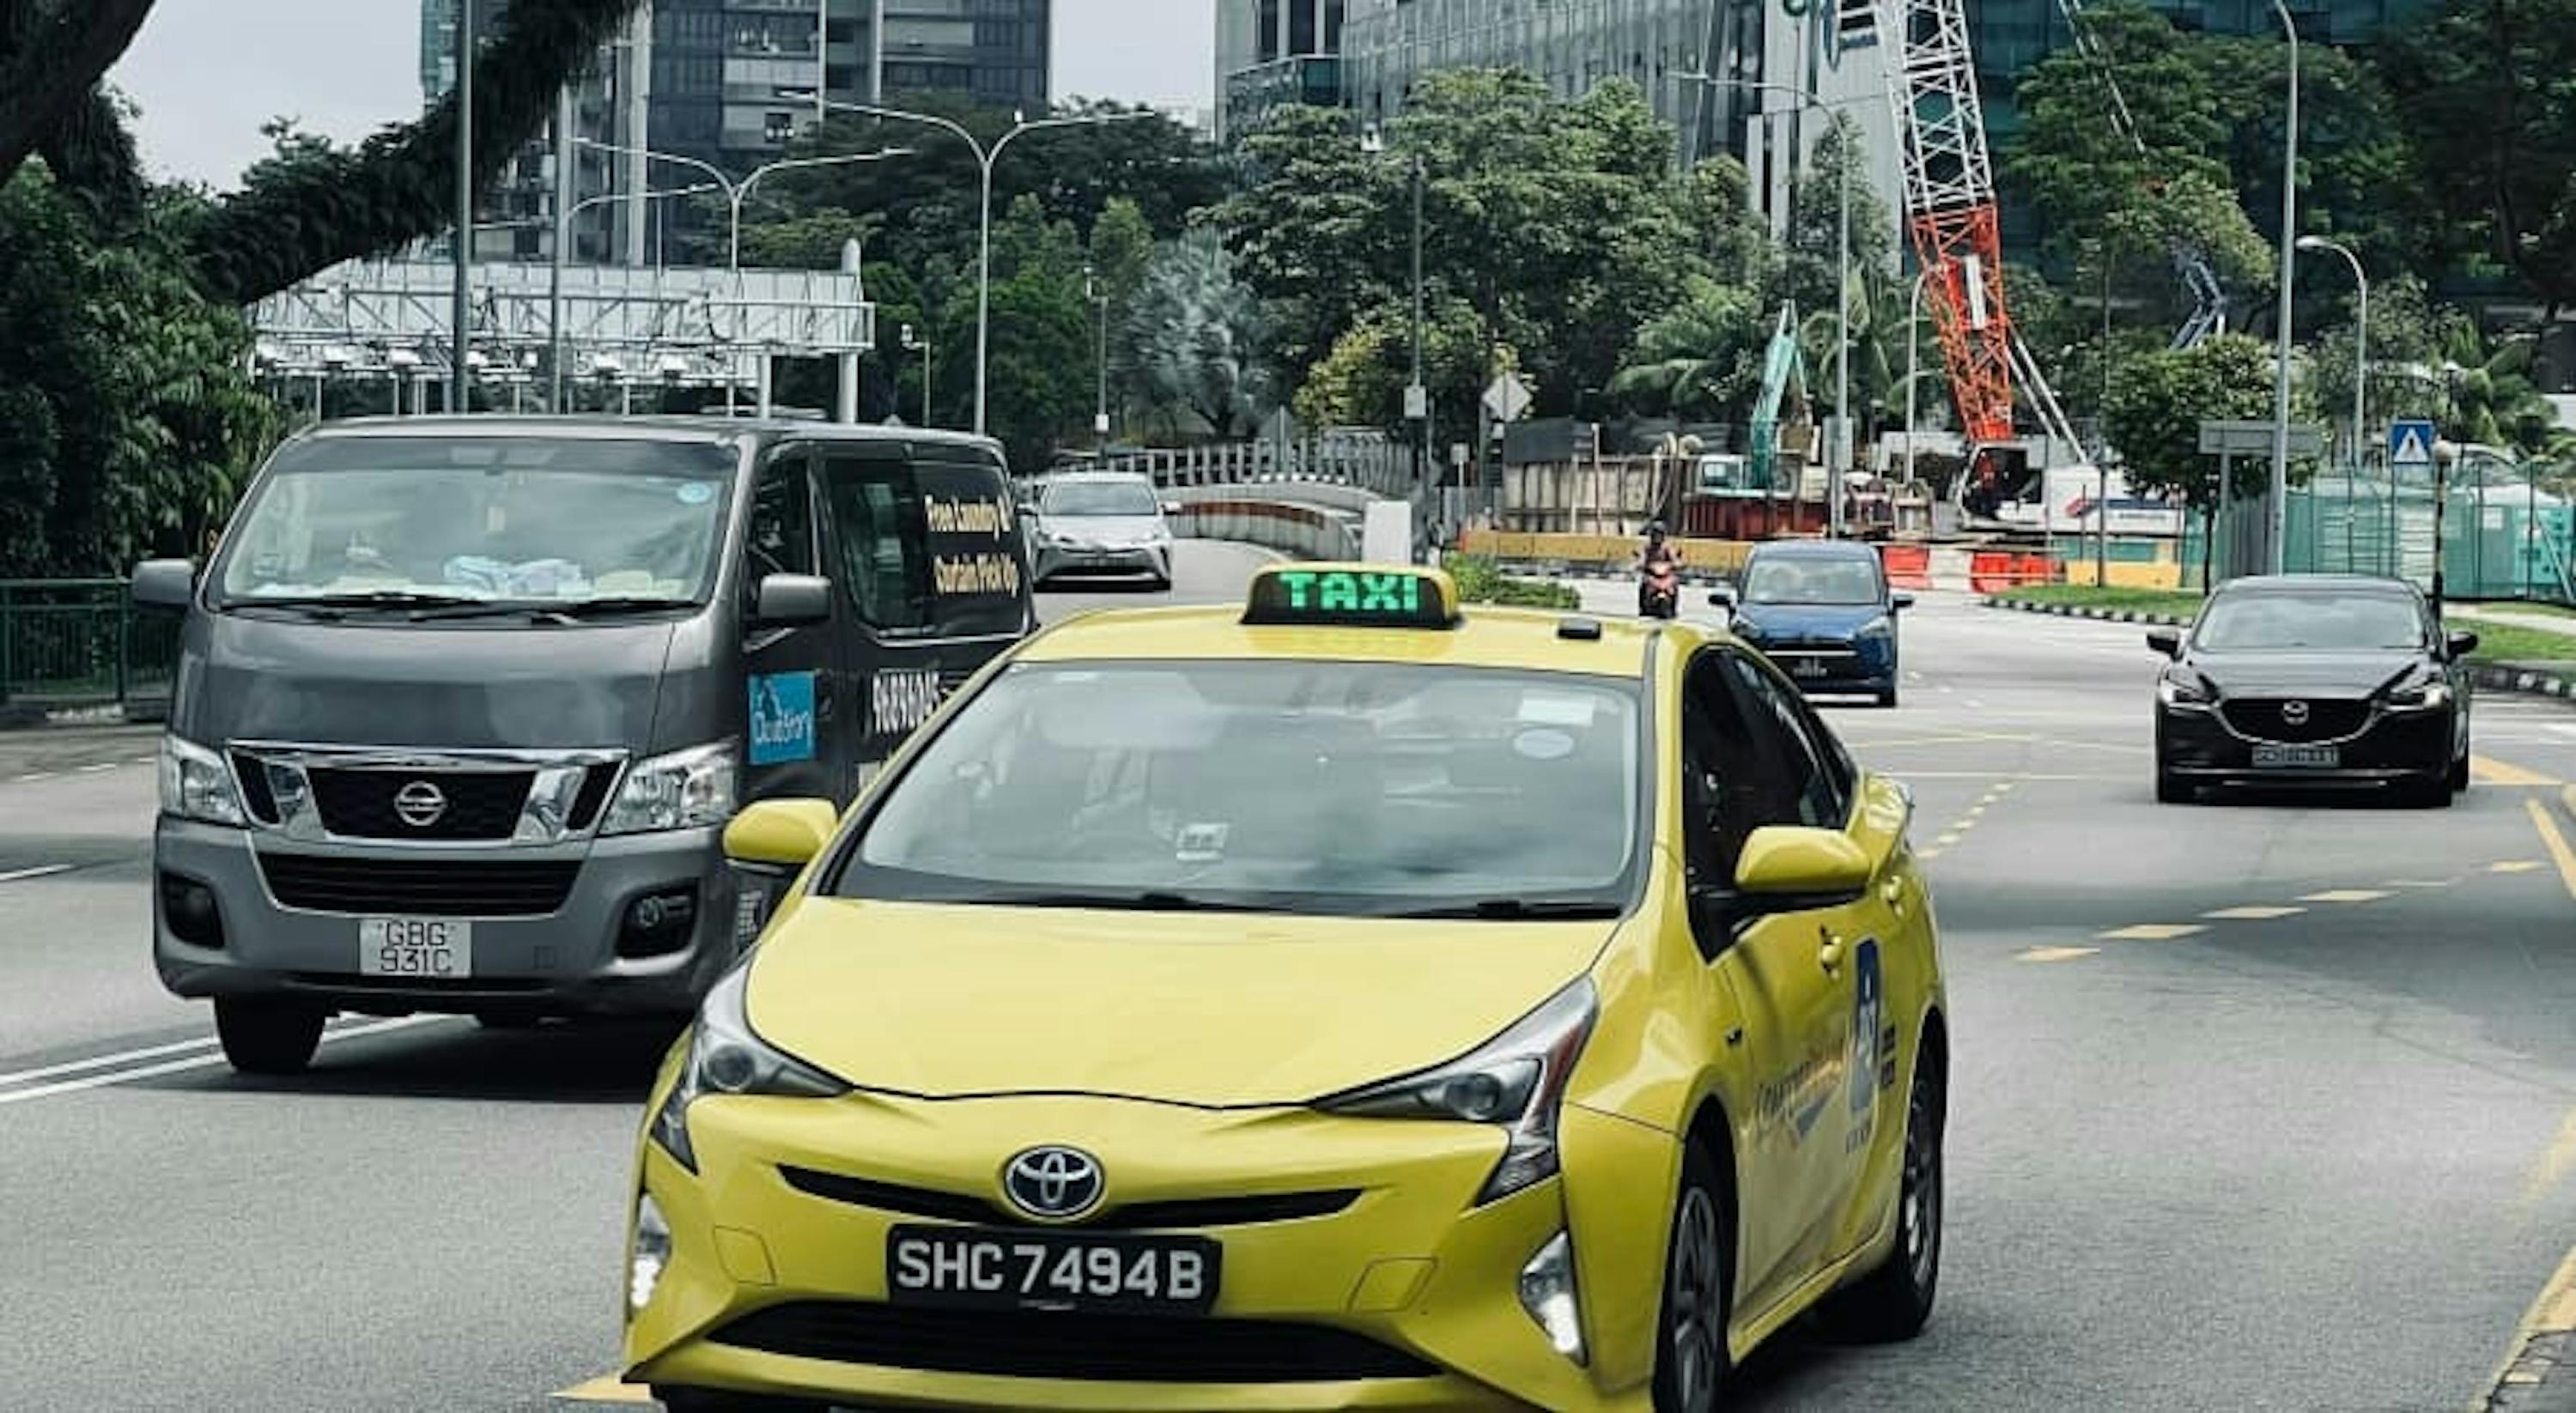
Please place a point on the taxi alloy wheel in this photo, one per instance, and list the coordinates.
(1691, 1370)
(1894, 1301)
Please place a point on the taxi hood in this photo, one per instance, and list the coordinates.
(1213, 1009)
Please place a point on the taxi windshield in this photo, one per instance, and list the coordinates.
(1811, 581)
(482, 520)
(2311, 622)
(1101, 498)
(1277, 786)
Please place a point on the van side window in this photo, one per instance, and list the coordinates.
(885, 541)
(782, 520)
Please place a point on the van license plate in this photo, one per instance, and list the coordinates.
(430, 948)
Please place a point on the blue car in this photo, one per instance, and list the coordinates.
(1822, 611)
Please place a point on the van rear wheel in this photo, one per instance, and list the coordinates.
(268, 1037)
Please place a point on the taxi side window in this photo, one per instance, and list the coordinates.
(782, 520)
(1735, 776)
(1810, 794)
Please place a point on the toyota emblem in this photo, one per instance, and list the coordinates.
(420, 804)
(1054, 1184)
(2295, 713)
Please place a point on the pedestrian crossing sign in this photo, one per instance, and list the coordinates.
(2410, 443)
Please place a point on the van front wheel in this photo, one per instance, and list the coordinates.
(267, 1037)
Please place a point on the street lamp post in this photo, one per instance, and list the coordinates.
(922, 347)
(1838, 449)
(462, 313)
(555, 276)
(2360, 366)
(1417, 393)
(1913, 344)
(2276, 528)
(985, 158)
(1098, 293)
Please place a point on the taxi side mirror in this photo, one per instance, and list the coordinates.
(780, 834)
(2165, 640)
(1790, 870)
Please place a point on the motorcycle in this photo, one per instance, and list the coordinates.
(1659, 593)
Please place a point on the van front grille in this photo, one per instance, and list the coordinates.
(327, 883)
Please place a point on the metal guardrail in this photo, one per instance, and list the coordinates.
(1378, 468)
(72, 643)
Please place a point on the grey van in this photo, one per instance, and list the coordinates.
(463, 704)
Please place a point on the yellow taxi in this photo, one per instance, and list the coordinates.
(1334, 1000)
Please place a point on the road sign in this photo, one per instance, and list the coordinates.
(2410, 443)
(2230, 438)
(1417, 402)
(1508, 398)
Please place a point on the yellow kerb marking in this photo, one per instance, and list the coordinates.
(2559, 853)
(2516, 866)
(2348, 895)
(2487, 771)
(607, 1388)
(2554, 1163)
(2152, 932)
(2252, 914)
(2057, 954)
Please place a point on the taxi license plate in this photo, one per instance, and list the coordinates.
(426, 948)
(964, 1268)
(2297, 757)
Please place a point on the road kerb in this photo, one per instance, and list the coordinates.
(2539, 1373)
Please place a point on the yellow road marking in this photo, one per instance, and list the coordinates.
(2489, 771)
(2516, 866)
(2419, 883)
(607, 1388)
(2057, 954)
(1927, 855)
(2152, 932)
(2559, 853)
(2004, 787)
(1946, 841)
(2348, 895)
(2252, 914)
(2553, 1312)
(2554, 1163)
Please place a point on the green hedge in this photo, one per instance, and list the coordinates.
(1480, 581)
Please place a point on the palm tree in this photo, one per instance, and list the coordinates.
(1700, 359)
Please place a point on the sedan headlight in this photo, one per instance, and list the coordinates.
(2429, 694)
(197, 784)
(692, 789)
(2187, 693)
(725, 1057)
(1881, 627)
(1516, 1080)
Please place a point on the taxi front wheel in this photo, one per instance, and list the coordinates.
(1691, 1359)
(1893, 1302)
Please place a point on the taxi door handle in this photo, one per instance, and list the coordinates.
(1829, 953)
(1893, 890)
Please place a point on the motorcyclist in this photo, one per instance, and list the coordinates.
(1658, 571)
(1657, 557)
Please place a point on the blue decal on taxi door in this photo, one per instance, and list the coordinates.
(782, 718)
(1868, 1008)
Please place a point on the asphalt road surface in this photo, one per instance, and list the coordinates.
(2264, 1104)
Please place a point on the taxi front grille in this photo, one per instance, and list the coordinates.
(1032, 1344)
(1185, 1213)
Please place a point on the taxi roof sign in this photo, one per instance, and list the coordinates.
(1352, 596)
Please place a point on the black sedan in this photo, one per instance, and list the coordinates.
(2314, 680)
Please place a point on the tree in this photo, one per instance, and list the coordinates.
(2159, 401)
(1040, 367)
(1313, 228)
(2481, 87)
(1194, 332)
(52, 55)
(1701, 359)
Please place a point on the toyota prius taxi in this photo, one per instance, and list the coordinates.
(1336, 1000)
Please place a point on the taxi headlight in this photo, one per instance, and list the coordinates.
(2430, 694)
(649, 1257)
(1517, 1080)
(691, 789)
(725, 1057)
(197, 784)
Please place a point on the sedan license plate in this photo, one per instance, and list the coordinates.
(962, 1267)
(2297, 757)
(426, 948)
(1807, 667)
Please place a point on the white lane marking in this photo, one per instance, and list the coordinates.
(33, 778)
(99, 769)
(40, 871)
(198, 1062)
(101, 1062)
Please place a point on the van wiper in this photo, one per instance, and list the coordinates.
(610, 607)
(1522, 910)
(323, 605)
(571, 611)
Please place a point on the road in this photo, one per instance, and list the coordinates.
(2319, 1153)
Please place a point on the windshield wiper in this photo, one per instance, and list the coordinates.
(322, 605)
(1522, 910)
(1150, 900)
(569, 611)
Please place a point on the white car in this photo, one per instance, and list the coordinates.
(1101, 522)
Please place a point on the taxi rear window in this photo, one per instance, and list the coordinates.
(1355, 789)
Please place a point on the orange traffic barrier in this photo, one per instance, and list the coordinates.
(1996, 571)
(1908, 566)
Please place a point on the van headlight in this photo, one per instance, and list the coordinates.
(197, 784)
(725, 1057)
(1517, 1080)
(692, 789)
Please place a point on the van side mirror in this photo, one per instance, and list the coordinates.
(2461, 645)
(165, 583)
(2165, 640)
(780, 834)
(792, 601)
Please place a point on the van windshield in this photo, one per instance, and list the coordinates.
(482, 520)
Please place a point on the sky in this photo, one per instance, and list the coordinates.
(207, 73)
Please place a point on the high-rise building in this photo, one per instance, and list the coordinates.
(709, 80)
(1271, 53)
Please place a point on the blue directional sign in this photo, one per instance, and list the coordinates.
(2410, 443)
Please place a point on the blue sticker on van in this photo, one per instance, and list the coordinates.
(782, 718)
